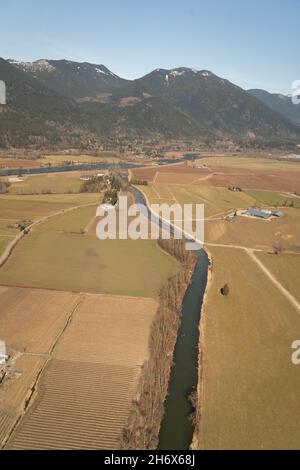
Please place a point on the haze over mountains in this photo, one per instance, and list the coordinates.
(280, 103)
(62, 103)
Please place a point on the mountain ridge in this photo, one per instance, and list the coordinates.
(176, 103)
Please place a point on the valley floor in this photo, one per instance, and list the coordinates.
(247, 393)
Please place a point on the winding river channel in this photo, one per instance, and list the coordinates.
(177, 427)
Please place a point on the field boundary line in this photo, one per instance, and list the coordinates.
(10, 247)
(33, 387)
(155, 177)
(275, 281)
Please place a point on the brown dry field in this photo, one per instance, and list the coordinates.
(249, 391)
(30, 322)
(6, 163)
(6, 421)
(31, 319)
(276, 180)
(286, 269)
(175, 153)
(184, 177)
(16, 389)
(86, 390)
(149, 173)
(222, 176)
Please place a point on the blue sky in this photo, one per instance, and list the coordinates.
(253, 43)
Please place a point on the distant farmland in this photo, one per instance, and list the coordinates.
(250, 173)
(62, 183)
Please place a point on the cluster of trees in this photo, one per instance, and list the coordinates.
(95, 184)
(118, 181)
(234, 188)
(177, 249)
(23, 224)
(147, 412)
(288, 203)
(140, 182)
(111, 196)
(4, 185)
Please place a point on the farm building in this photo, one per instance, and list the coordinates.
(278, 214)
(262, 213)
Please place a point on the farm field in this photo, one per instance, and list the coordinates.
(15, 390)
(78, 159)
(14, 209)
(49, 183)
(20, 209)
(261, 174)
(18, 163)
(93, 359)
(39, 314)
(272, 198)
(286, 269)
(79, 262)
(247, 162)
(251, 232)
(21, 162)
(216, 200)
(257, 233)
(72, 222)
(66, 199)
(248, 393)
(4, 241)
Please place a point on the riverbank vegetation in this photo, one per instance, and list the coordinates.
(143, 427)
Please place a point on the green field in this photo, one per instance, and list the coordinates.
(71, 222)
(257, 163)
(47, 183)
(215, 200)
(35, 206)
(271, 198)
(20, 209)
(61, 159)
(66, 199)
(84, 263)
(249, 394)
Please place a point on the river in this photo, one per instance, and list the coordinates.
(177, 427)
(90, 166)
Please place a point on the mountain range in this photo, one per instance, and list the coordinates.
(280, 103)
(60, 103)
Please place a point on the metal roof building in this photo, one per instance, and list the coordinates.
(261, 213)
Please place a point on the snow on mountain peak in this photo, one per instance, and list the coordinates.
(36, 66)
(205, 73)
(177, 73)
